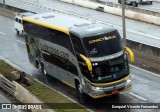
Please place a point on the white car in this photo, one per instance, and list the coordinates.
(18, 21)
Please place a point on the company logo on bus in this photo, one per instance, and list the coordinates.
(102, 39)
(114, 76)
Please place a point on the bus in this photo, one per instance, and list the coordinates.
(84, 54)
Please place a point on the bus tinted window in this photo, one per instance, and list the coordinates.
(77, 44)
(60, 62)
(48, 34)
(61, 39)
(34, 29)
(103, 45)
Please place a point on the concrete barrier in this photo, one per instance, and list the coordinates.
(24, 96)
(131, 12)
(133, 15)
(145, 55)
(156, 0)
(7, 13)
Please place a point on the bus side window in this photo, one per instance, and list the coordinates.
(77, 44)
(61, 39)
(37, 30)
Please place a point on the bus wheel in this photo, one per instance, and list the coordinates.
(43, 70)
(79, 89)
(80, 94)
(39, 67)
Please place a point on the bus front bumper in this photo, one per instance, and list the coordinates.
(98, 92)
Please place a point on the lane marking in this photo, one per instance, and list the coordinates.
(2, 33)
(157, 75)
(137, 96)
(20, 42)
(144, 34)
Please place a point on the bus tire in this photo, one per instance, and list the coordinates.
(39, 66)
(79, 89)
(43, 69)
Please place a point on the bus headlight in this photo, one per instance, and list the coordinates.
(94, 64)
(96, 88)
(128, 81)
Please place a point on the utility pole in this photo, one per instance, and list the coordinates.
(123, 23)
(3, 2)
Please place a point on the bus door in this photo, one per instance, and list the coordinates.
(79, 50)
(67, 70)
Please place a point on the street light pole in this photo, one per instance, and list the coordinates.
(3, 3)
(123, 23)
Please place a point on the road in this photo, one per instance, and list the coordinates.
(136, 30)
(154, 7)
(4, 99)
(146, 86)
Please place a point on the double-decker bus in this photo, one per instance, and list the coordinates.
(83, 54)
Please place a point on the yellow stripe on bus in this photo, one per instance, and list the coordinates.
(69, 84)
(88, 62)
(130, 54)
(105, 84)
(65, 30)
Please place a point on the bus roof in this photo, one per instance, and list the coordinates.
(78, 26)
(24, 14)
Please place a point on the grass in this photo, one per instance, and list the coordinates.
(52, 98)
(6, 69)
(44, 93)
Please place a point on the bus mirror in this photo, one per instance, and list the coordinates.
(88, 62)
(131, 55)
(79, 57)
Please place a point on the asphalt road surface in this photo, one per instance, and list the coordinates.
(154, 7)
(4, 99)
(146, 87)
(137, 31)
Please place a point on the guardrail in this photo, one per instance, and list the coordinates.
(7, 85)
(17, 90)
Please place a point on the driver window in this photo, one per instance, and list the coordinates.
(77, 44)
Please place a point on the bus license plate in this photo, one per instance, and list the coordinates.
(115, 91)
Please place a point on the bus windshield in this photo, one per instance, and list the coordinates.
(103, 44)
